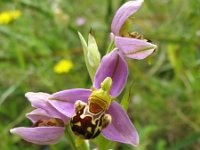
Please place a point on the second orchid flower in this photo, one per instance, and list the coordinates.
(131, 45)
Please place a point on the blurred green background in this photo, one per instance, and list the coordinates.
(164, 103)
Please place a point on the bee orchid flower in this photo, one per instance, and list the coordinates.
(94, 111)
(131, 45)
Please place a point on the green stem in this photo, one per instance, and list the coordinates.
(110, 47)
(76, 144)
(81, 144)
(70, 137)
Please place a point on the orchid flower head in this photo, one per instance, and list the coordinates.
(95, 112)
(134, 45)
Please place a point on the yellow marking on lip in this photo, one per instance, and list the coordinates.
(89, 129)
(78, 124)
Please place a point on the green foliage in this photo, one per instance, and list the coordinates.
(127, 96)
(164, 101)
(91, 54)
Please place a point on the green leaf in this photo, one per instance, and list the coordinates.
(126, 97)
(85, 50)
(83, 43)
(91, 54)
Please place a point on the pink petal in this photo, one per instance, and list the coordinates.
(134, 48)
(40, 100)
(38, 114)
(123, 13)
(64, 101)
(121, 128)
(72, 95)
(39, 135)
(66, 108)
(112, 65)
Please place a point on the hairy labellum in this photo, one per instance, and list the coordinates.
(88, 123)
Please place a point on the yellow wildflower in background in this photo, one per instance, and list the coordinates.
(7, 16)
(63, 66)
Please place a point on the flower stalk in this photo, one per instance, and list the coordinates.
(75, 142)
